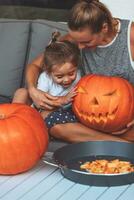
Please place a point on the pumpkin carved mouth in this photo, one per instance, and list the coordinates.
(91, 117)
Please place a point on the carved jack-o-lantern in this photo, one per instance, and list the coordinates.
(104, 103)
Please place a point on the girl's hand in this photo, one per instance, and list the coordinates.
(63, 100)
(70, 96)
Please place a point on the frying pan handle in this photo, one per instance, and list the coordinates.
(48, 159)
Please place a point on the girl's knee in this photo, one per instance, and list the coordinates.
(57, 131)
(60, 131)
(21, 91)
(21, 96)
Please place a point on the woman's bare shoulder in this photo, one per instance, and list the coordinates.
(38, 60)
(132, 39)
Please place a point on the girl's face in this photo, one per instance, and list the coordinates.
(64, 74)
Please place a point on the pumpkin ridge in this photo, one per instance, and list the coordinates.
(13, 150)
(131, 93)
(2, 156)
(126, 99)
(33, 131)
(32, 159)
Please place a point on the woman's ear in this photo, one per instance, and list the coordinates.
(105, 27)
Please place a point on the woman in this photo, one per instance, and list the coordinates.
(107, 48)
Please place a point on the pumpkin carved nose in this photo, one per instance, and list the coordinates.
(95, 101)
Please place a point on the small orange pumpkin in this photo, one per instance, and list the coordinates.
(104, 103)
(23, 138)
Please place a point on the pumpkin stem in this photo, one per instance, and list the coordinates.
(2, 116)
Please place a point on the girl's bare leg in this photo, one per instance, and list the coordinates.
(21, 96)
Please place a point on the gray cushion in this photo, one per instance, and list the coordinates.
(13, 49)
(41, 32)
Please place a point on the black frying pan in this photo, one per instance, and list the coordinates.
(70, 157)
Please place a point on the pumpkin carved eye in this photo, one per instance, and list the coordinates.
(81, 90)
(111, 93)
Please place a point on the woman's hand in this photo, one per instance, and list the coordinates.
(43, 99)
(128, 127)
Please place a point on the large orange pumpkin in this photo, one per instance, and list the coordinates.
(23, 138)
(104, 103)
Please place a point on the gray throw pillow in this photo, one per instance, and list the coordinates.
(14, 36)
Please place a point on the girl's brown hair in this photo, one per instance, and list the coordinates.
(58, 53)
(92, 14)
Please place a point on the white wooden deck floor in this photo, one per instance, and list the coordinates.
(45, 182)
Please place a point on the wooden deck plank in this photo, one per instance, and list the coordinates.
(46, 182)
(128, 193)
(112, 192)
(58, 190)
(43, 187)
(12, 182)
(29, 183)
(74, 192)
(93, 193)
(3, 179)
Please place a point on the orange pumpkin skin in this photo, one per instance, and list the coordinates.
(104, 103)
(23, 138)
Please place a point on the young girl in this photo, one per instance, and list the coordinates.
(60, 75)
